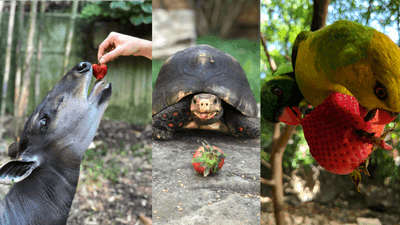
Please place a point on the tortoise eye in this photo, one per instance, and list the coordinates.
(194, 101)
(380, 91)
(277, 91)
(215, 101)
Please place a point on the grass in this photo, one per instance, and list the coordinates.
(93, 161)
(247, 52)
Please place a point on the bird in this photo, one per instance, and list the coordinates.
(352, 59)
(281, 97)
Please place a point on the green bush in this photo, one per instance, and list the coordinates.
(135, 12)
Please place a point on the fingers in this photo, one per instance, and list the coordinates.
(111, 55)
(119, 44)
(106, 44)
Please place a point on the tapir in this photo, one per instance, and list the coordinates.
(49, 151)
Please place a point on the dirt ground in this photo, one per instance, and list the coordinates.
(115, 186)
(334, 201)
(312, 213)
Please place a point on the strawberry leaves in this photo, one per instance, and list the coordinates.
(208, 159)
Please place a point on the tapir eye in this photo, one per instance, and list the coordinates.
(380, 91)
(277, 91)
(43, 123)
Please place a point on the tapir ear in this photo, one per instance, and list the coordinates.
(13, 150)
(16, 170)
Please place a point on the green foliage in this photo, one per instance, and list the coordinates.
(281, 22)
(382, 12)
(93, 162)
(296, 154)
(135, 12)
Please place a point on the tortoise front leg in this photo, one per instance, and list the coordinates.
(240, 125)
(169, 119)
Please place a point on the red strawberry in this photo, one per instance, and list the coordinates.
(99, 71)
(338, 137)
(208, 159)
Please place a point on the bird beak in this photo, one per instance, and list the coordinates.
(377, 116)
(370, 115)
(291, 116)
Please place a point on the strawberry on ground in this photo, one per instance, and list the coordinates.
(99, 71)
(208, 159)
(338, 137)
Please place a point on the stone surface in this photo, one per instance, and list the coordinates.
(182, 196)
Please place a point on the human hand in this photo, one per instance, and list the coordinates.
(117, 44)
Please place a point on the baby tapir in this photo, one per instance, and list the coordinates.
(50, 150)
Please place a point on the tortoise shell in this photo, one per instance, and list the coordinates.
(203, 69)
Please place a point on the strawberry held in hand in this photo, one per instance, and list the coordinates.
(99, 71)
(339, 138)
(208, 159)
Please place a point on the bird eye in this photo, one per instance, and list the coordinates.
(380, 91)
(277, 91)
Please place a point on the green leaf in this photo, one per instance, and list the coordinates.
(198, 160)
(89, 11)
(137, 2)
(146, 7)
(120, 5)
(215, 169)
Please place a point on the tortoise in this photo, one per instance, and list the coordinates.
(202, 87)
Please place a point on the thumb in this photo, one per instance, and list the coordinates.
(110, 56)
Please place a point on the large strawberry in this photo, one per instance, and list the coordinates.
(208, 159)
(339, 138)
(99, 71)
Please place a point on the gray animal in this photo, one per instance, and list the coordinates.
(50, 149)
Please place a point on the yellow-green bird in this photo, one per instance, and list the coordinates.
(353, 59)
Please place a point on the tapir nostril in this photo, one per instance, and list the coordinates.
(83, 67)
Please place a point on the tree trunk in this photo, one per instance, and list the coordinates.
(17, 89)
(23, 100)
(39, 53)
(229, 19)
(1, 13)
(279, 143)
(201, 21)
(70, 35)
(215, 15)
(7, 65)
(319, 15)
(270, 59)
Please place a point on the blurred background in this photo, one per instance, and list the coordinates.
(40, 42)
(231, 26)
(311, 194)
